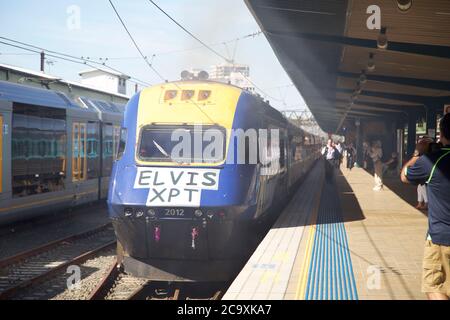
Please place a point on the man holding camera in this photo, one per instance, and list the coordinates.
(433, 169)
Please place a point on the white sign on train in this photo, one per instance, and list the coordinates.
(170, 187)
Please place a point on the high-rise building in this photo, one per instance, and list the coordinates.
(235, 74)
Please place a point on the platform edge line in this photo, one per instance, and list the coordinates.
(301, 285)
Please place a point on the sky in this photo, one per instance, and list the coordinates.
(98, 34)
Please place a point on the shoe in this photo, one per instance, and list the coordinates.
(419, 206)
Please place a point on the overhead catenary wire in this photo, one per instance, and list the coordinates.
(103, 64)
(65, 56)
(48, 54)
(209, 48)
(141, 53)
(135, 43)
(189, 33)
(88, 62)
(16, 54)
(163, 53)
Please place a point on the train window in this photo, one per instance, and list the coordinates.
(245, 145)
(75, 150)
(251, 150)
(92, 150)
(282, 153)
(181, 144)
(297, 147)
(108, 149)
(79, 155)
(38, 149)
(116, 140)
(265, 151)
(111, 140)
(122, 143)
(1, 153)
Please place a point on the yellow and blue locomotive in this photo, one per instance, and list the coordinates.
(193, 173)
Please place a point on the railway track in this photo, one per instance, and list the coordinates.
(35, 273)
(117, 285)
(31, 268)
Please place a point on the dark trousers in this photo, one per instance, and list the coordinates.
(329, 169)
(350, 162)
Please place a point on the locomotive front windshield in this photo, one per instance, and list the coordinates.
(182, 144)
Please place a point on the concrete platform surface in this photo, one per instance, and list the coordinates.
(338, 239)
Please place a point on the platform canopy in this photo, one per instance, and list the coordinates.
(331, 54)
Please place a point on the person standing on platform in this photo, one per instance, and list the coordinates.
(376, 153)
(340, 150)
(366, 155)
(421, 149)
(350, 156)
(329, 152)
(391, 165)
(433, 169)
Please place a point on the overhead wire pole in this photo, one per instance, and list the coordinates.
(208, 47)
(87, 60)
(63, 56)
(193, 36)
(47, 54)
(151, 67)
(302, 118)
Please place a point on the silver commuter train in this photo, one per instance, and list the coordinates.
(55, 152)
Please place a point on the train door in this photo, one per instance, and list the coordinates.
(1, 153)
(109, 143)
(283, 162)
(116, 139)
(79, 161)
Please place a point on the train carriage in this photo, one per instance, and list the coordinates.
(110, 119)
(187, 217)
(50, 151)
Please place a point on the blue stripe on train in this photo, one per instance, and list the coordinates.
(235, 180)
(126, 168)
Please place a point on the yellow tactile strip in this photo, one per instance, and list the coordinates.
(268, 271)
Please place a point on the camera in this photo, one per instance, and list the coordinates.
(434, 147)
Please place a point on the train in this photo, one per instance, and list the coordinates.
(199, 164)
(56, 151)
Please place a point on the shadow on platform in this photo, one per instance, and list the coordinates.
(407, 192)
(336, 194)
(351, 210)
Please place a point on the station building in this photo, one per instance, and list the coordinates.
(97, 84)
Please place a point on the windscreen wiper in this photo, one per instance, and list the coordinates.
(161, 149)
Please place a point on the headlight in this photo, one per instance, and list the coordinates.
(139, 213)
(128, 212)
(198, 213)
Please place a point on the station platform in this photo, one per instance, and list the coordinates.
(339, 240)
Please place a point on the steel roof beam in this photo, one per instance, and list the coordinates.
(416, 82)
(402, 47)
(394, 96)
